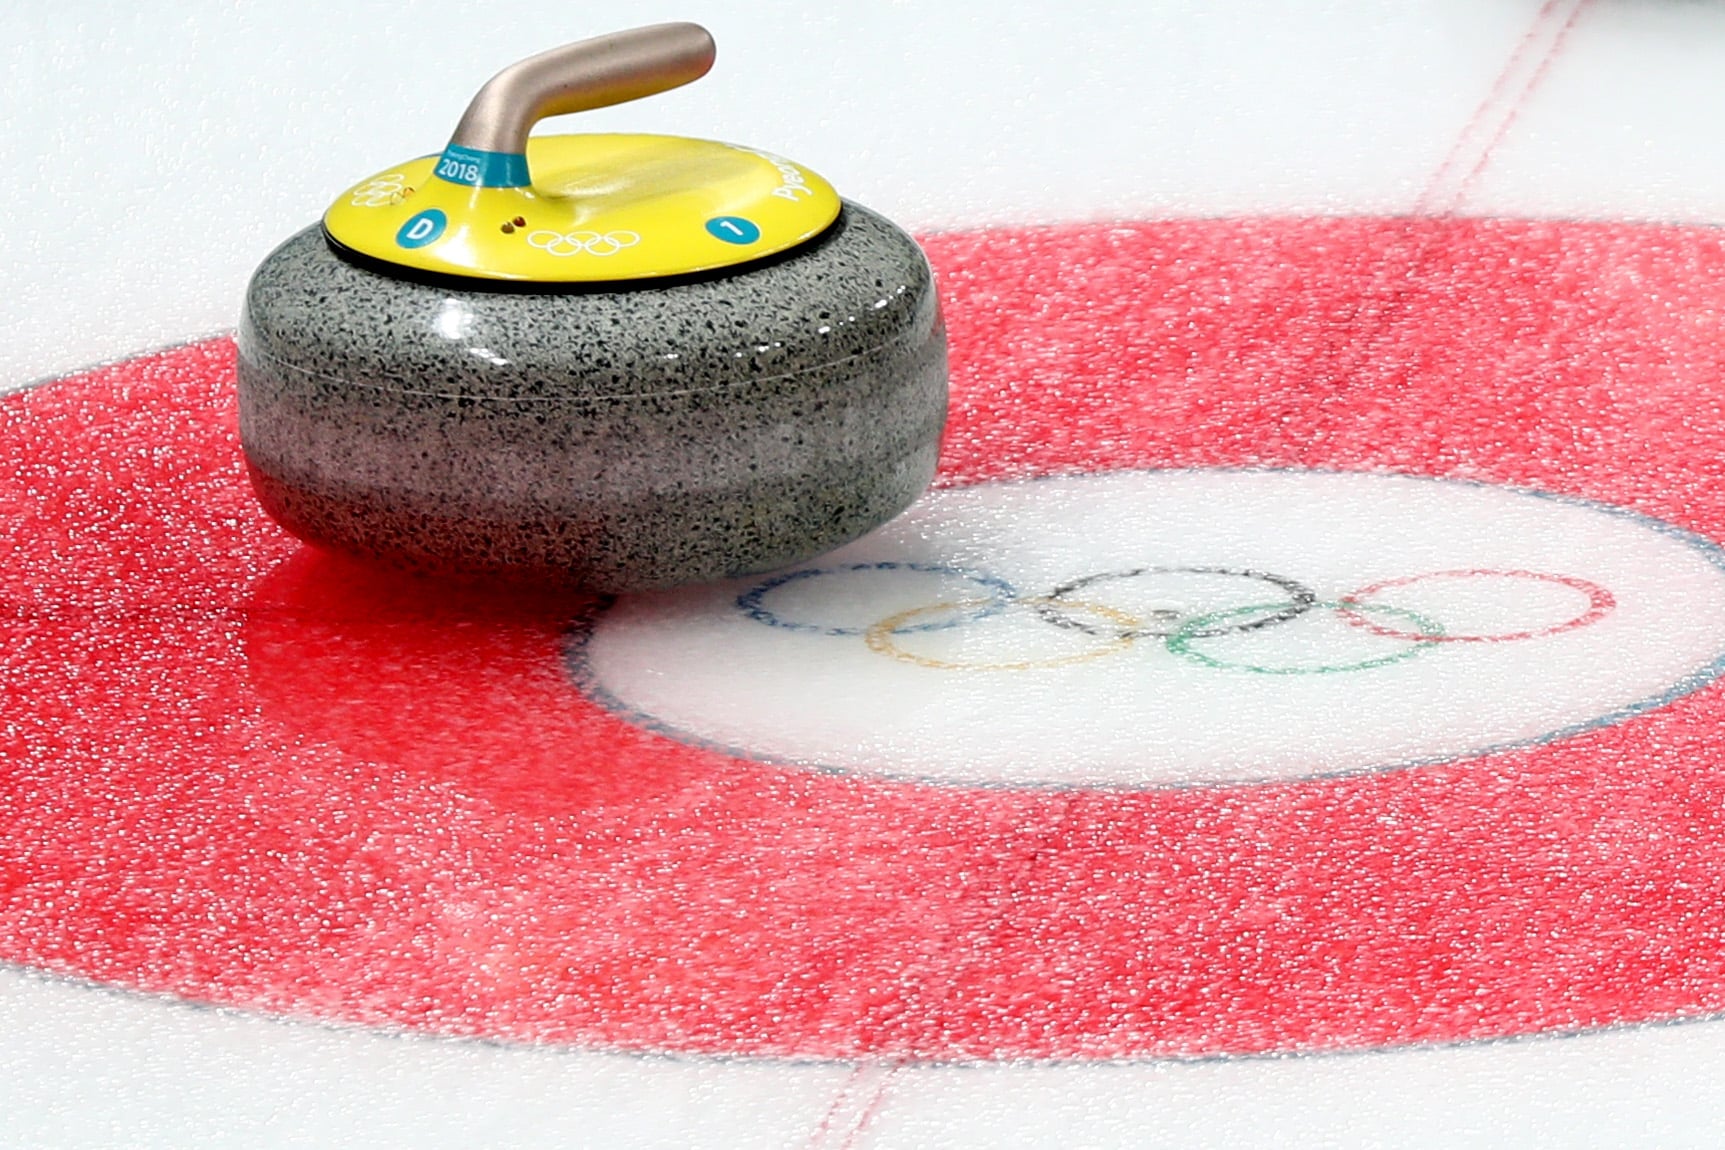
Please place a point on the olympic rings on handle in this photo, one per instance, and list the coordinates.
(880, 637)
(753, 601)
(1300, 600)
(1180, 643)
(563, 244)
(1600, 603)
(390, 188)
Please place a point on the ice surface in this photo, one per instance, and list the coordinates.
(1010, 633)
(236, 773)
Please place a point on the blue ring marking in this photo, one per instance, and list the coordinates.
(1000, 591)
(422, 229)
(477, 169)
(734, 229)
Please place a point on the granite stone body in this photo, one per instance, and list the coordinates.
(632, 437)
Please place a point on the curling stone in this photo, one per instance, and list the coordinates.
(623, 361)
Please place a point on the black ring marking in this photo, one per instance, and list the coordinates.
(1300, 600)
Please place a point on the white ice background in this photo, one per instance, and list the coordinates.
(154, 153)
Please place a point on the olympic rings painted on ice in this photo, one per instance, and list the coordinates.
(880, 636)
(563, 244)
(752, 602)
(1180, 643)
(1178, 632)
(1599, 603)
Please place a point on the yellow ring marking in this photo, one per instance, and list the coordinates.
(879, 636)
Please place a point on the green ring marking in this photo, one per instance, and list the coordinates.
(1180, 642)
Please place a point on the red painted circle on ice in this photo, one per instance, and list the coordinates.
(1599, 604)
(244, 773)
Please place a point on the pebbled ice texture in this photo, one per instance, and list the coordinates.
(243, 772)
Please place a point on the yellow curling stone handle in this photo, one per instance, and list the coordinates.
(497, 204)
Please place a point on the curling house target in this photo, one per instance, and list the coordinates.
(1417, 456)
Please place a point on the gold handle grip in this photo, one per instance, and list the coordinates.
(576, 77)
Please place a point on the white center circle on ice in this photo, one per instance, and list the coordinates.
(1157, 628)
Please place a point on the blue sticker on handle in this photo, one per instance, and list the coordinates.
(422, 229)
(734, 229)
(479, 169)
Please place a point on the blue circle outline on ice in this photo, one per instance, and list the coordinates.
(1001, 593)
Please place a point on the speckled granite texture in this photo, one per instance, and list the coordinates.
(639, 437)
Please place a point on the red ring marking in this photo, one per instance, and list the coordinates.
(1600, 603)
(237, 771)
